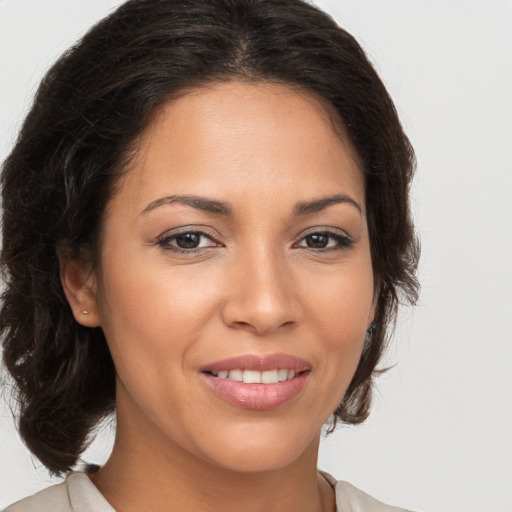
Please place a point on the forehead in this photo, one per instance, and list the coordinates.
(238, 104)
(244, 137)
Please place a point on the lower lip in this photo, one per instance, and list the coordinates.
(257, 396)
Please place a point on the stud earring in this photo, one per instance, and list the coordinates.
(85, 312)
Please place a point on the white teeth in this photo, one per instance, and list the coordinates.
(236, 375)
(252, 377)
(257, 377)
(269, 377)
(282, 374)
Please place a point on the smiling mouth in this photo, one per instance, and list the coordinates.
(258, 381)
(257, 377)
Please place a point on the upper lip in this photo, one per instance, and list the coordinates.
(259, 362)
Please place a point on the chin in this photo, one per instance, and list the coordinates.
(262, 451)
(249, 462)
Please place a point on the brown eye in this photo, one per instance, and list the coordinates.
(317, 241)
(325, 240)
(188, 240)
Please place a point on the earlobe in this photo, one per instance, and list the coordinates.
(79, 284)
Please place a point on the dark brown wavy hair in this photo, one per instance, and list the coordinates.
(78, 138)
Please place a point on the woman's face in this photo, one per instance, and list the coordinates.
(236, 247)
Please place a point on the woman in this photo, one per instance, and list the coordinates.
(206, 229)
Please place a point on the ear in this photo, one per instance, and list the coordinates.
(79, 284)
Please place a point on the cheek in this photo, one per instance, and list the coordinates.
(341, 310)
(341, 298)
(150, 324)
(152, 314)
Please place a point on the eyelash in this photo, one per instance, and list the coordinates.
(165, 242)
(343, 241)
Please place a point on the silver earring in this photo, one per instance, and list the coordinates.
(85, 312)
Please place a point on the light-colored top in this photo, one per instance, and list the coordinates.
(78, 494)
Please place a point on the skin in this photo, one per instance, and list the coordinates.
(254, 286)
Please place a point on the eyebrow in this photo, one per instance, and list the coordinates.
(307, 207)
(200, 203)
(221, 208)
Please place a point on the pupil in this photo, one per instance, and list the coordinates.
(188, 240)
(317, 241)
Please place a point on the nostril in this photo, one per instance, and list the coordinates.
(241, 324)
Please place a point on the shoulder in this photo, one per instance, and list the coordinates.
(76, 494)
(52, 498)
(351, 499)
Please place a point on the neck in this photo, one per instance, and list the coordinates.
(143, 477)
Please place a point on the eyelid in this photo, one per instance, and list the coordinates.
(324, 229)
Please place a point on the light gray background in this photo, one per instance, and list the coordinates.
(440, 436)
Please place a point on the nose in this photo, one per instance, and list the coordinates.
(261, 296)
